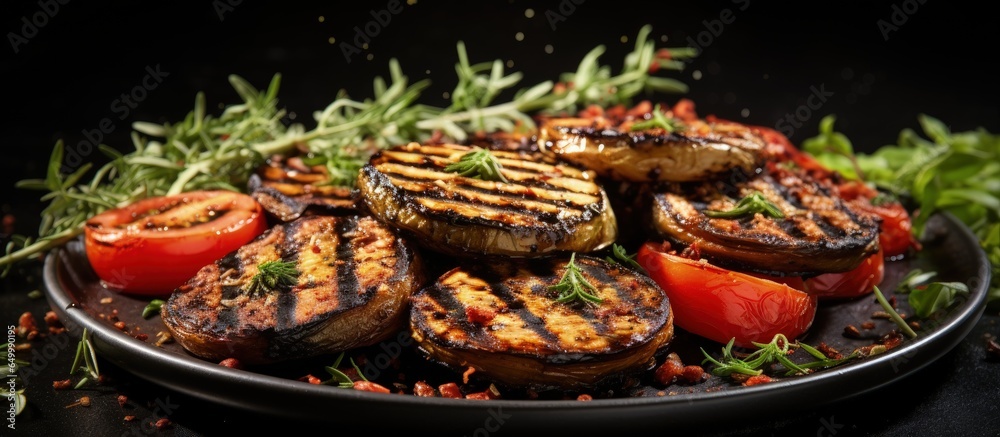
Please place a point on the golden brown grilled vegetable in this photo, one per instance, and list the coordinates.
(698, 150)
(354, 279)
(501, 319)
(543, 208)
(288, 189)
(819, 232)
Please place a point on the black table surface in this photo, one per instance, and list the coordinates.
(883, 62)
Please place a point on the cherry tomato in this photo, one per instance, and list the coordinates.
(154, 245)
(896, 233)
(848, 285)
(721, 304)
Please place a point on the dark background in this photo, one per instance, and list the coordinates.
(67, 76)
(65, 79)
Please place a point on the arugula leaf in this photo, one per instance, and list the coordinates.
(935, 296)
(942, 171)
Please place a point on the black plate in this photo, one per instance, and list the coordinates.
(951, 250)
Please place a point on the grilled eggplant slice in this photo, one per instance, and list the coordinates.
(819, 233)
(288, 189)
(544, 207)
(502, 320)
(696, 151)
(355, 278)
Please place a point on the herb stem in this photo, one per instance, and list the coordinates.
(892, 313)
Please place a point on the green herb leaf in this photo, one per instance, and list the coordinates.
(935, 297)
(152, 308)
(573, 286)
(85, 361)
(913, 279)
(658, 121)
(892, 313)
(620, 256)
(271, 276)
(754, 203)
(480, 164)
(777, 351)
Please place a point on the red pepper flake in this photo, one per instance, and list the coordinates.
(450, 390)
(480, 316)
(423, 389)
(693, 374)
(757, 379)
(669, 371)
(129, 418)
(26, 326)
(162, 424)
(585, 397)
(993, 348)
(121, 326)
(142, 336)
(852, 331)
(52, 320)
(467, 373)
(231, 363)
(370, 386)
(62, 385)
(868, 325)
(829, 351)
(122, 399)
(311, 379)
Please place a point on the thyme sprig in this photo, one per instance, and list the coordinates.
(754, 203)
(893, 314)
(777, 351)
(573, 286)
(271, 276)
(480, 164)
(85, 361)
(205, 151)
(658, 121)
(338, 378)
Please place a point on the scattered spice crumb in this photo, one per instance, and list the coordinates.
(163, 337)
(868, 325)
(450, 390)
(26, 326)
(671, 369)
(467, 373)
(62, 385)
(370, 386)
(122, 399)
(881, 315)
(585, 397)
(231, 363)
(852, 331)
(162, 424)
(106, 300)
(423, 389)
(141, 336)
(693, 374)
(129, 418)
(84, 401)
(993, 348)
(756, 380)
(915, 325)
(120, 326)
(311, 379)
(829, 351)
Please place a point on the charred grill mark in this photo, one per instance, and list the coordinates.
(348, 287)
(530, 320)
(458, 317)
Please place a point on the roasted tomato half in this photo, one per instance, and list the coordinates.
(851, 284)
(721, 304)
(154, 245)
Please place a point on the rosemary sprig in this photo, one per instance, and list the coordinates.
(479, 163)
(658, 121)
(272, 275)
(340, 379)
(620, 256)
(777, 351)
(892, 313)
(204, 151)
(86, 355)
(753, 203)
(573, 286)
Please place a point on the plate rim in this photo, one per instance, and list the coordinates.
(189, 373)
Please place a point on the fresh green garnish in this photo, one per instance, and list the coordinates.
(479, 163)
(658, 121)
(935, 297)
(271, 276)
(152, 308)
(86, 355)
(892, 313)
(913, 279)
(620, 256)
(204, 151)
(573, 286)
(753, 203)
(954, 172)
(777, 351)
(340, 379)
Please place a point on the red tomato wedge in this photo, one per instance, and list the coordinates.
(154, 245)
(721, 304)
(848, 285)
